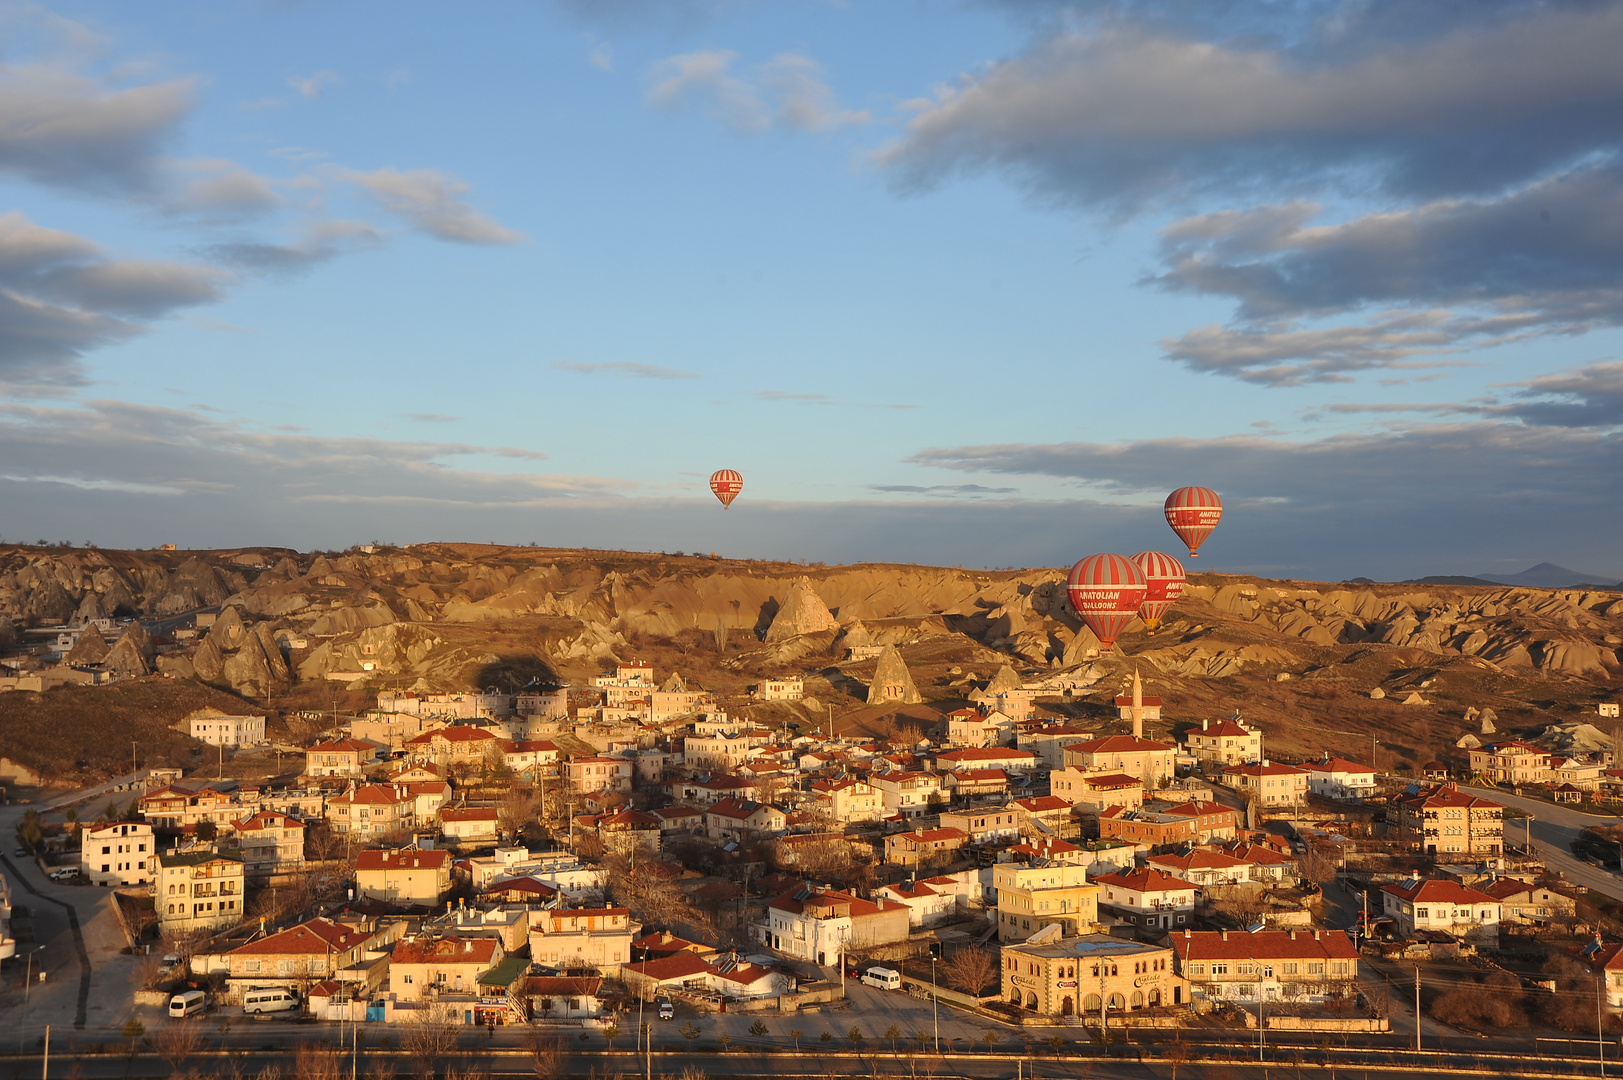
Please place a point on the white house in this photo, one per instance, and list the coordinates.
(1442, 905)
(1338, 778)
(1148, 899)
(926, 905)
(971, 727)
(118, 854)
(218, 729)
(780, 690)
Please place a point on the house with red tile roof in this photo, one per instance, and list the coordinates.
(1146, 759)
(310, 951)
(270, 842)
(848, 800)
(460, 744)
(464, 825)
(425, 968)
(740, 819)
(403, 876)
(1268, 965)
(1447, 906)
(1096, 791)
(1340, 779)
(1445, 820)
(924, 847)
(1221, 743)
(1202, 866)
(339, 757)
(1149, 899)
(1269, 782)
(1009, 759)
(965, 784)
(926, 905)
(819, 924)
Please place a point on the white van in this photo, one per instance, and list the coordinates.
(265, 999)
(883, 978)
(187, 1004)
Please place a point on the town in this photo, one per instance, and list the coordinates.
(638, 865)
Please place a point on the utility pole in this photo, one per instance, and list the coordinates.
(935, 1005)
(45, 1069)
(1417, 1008)
(1600, 1019)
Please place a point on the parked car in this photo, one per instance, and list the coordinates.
(64, 873)
(667, 1011)
(20, 853)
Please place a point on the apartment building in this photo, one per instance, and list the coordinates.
(271, 842)
(201, 889)
(1340, 779)
(1268, 782)
(403, 876)
(1442, 905)
(596, 937)
(122, 853)
(908, 792)
(339, 757)
(1268, 965)
(820, 924)
(1445, 820)
(1031, 896)
(924, 847)
(1150, 900)
(1223, 743)
(1511, 762)
(1146, 759)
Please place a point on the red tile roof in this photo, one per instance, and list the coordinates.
(409, 859)
(446, 950)
(1145, 881)
(1263, 945)
(1438, 892)
(315, 937)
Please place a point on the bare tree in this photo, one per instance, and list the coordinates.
(427, 1038)
(546, 1054)
(312, 1062)
(969, 969)
(177, 1042)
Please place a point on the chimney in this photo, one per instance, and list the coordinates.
(1315, 935)
(1225, 934)
(1205, 723)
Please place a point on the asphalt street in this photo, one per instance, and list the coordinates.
(78, 947)
(1554, 829)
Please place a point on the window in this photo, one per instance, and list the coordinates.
(1220, 969)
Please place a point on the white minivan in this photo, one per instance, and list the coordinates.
(265, 999)
(883, 978)
(187, 1004)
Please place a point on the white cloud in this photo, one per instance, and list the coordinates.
(431, 202)
(313, 85)
(787, 93)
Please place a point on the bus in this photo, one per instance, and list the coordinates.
(264, 999)
(187, 1004)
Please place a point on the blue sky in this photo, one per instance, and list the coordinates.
(947, 282)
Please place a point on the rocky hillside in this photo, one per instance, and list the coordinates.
(1319, 665)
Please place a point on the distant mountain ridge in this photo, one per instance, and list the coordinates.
(1550, 576)
(1543, 576)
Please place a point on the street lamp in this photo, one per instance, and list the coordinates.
(27, 979)
(935, 1004)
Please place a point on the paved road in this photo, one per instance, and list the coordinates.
(1554, 830)
(79, 947)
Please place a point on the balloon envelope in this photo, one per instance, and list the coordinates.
(1193, 512)
(726, 483)
(1106, 590)
(1165, 582)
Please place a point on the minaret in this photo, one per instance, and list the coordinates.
(1138, 706)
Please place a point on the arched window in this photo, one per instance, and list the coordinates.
(1090, 1003)
(1117, 1001)
(1138, 1000)
(1031, 1001)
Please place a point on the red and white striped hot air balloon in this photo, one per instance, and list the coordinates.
(726, 483)
(1193, 512)
(1106, 590)
(1164, 576)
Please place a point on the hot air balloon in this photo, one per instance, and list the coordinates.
(1165, 577)
(726, 483)
(1106, 591)
(1193, 512)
